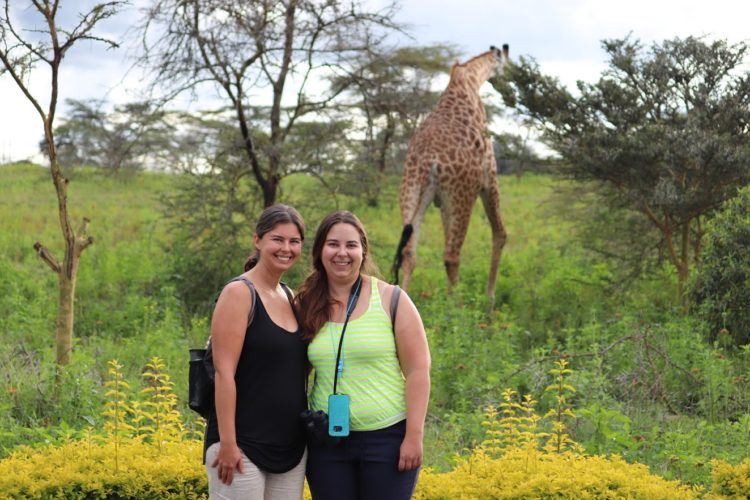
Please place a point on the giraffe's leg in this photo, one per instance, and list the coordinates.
(491, 201)
(456, 214)
(446, 216)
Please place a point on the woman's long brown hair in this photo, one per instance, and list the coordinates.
(314, 301)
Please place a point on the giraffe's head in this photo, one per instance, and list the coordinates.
(501, 58)
(478, 69)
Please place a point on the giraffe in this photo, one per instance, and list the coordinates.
(450, 159)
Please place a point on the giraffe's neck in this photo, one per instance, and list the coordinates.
(463, 89)
(456, 99)
(473, 73)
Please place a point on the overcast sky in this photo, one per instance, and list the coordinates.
(562, 35)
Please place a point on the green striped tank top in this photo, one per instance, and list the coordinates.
(372, 375)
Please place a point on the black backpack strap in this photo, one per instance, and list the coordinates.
(394, 306)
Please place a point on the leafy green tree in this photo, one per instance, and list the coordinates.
(664, 132)
(131, 136)
(211, 214)
(721, 289)
(214, 206)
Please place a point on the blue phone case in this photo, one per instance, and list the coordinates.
(338, 415)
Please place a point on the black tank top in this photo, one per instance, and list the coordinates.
(270, 380)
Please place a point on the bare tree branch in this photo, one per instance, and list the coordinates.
(254, 47)
(47, 257)
(19, 56)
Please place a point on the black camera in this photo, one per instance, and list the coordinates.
(316, 425)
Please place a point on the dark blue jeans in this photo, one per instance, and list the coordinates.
(363, 466)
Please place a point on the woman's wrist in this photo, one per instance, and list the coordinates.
(412, 434)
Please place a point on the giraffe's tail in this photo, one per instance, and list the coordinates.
(405, 235)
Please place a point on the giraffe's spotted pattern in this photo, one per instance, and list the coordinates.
(450, 157)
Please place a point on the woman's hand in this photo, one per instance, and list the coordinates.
(410, 456)
(228, 459)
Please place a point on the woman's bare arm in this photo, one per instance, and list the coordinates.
(228, 327)
(414, 357)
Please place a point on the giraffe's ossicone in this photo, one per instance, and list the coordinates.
(450, 157)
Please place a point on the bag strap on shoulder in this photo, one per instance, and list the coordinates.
(253, 294)
(394, 306)
(253, 299)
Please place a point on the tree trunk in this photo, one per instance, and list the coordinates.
(679, 257)
(65, 315)
(75, 243)
(683, 269)
(269, 190)
(683, 272)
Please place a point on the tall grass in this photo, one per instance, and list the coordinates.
(643, 372)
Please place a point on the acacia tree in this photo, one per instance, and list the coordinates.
(393, 91)
(664, 132)
(247, 48)
(117, 140)
(20, 51)
(211, 208)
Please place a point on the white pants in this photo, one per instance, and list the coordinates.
(255, 484)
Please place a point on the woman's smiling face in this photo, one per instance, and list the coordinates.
(342, 253)
(280, 247)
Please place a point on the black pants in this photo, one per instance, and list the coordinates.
(363, 466)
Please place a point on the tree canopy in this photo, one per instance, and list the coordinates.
(665, 131)
(251, 48)
(124, 139)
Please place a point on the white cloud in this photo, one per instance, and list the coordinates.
(563, 35)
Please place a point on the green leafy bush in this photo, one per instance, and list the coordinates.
(721, 288)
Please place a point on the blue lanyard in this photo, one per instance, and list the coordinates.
(351, 304)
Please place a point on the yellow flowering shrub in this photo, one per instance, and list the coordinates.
(515, 425)
(87, 470)
(517, 459)
(81, 469)
(144, 452)
(731, 481)
(529, 473)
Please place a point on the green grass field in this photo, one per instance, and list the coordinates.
(648, 386)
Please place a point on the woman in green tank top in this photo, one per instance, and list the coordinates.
(383, 367)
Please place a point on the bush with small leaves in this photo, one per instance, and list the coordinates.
(721, 288)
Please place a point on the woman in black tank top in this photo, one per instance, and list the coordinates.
(255, 444)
